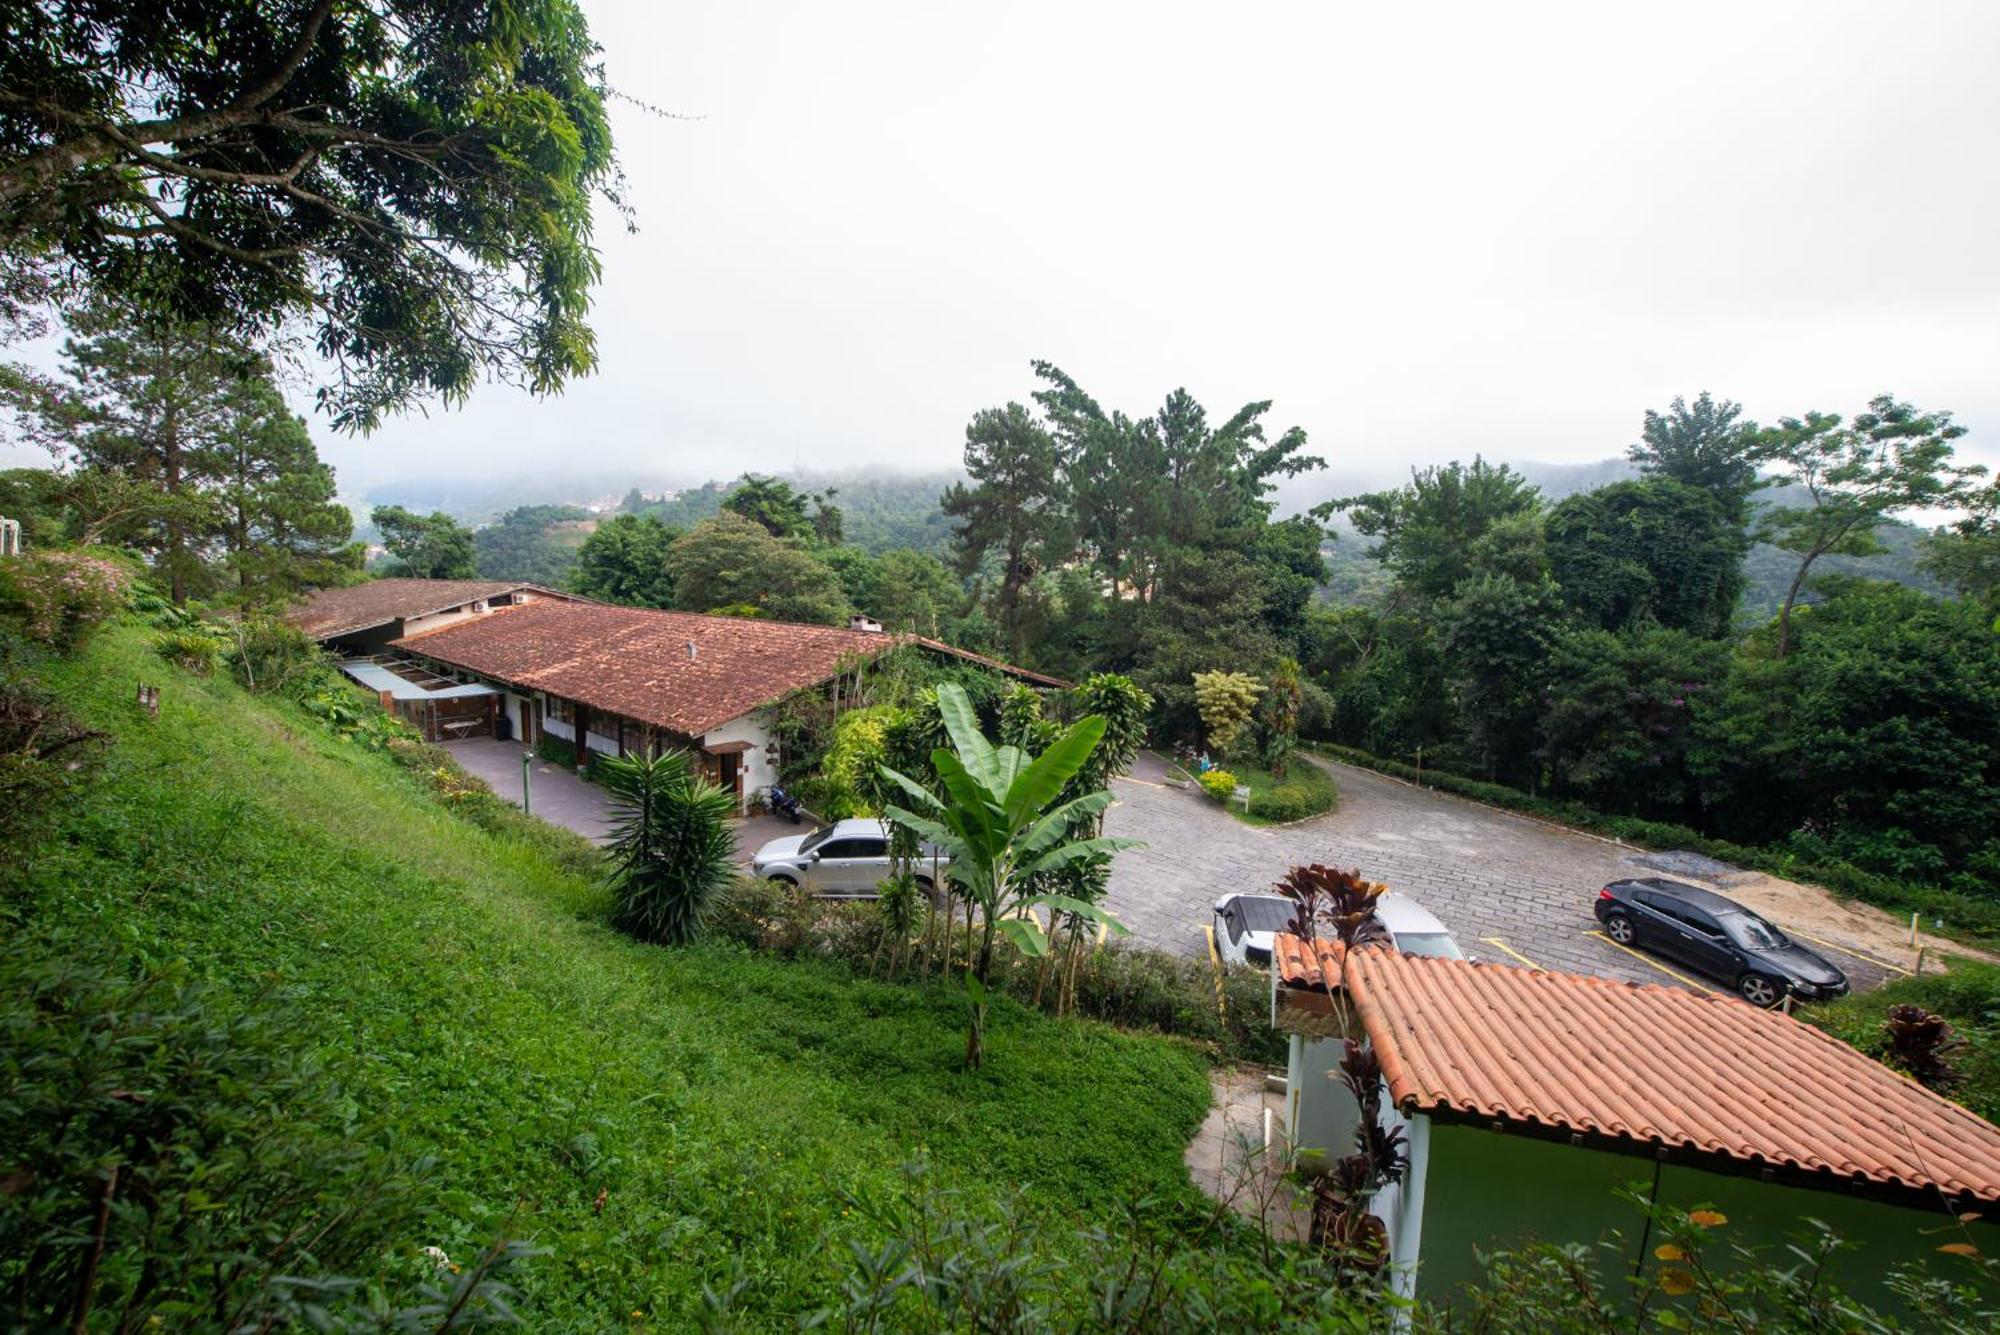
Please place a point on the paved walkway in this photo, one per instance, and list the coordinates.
(1511, 889)
(559, 797)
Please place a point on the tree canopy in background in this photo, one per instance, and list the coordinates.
(413, 179)
(730, 564)
(432, 546)
(624, 560)
(172, 438)
(538, 543)
(1855, 475)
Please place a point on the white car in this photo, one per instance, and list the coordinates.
(1245, 926)
(848, 859)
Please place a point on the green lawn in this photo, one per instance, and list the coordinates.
(466, 987)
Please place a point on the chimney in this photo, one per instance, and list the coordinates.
(692, 651)
(860, 621)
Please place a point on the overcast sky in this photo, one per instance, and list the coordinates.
(1423, 230)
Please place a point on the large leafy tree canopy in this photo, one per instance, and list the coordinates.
(730, 564)
(432, 546)
(624, 560)
(414, 178)
(1709, 446)
(1855, 474)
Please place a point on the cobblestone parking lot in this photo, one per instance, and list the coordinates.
(1512, 890)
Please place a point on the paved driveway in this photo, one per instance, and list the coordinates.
(559, 797)
(1511, 889)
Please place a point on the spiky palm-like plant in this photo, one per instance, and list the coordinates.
(671, 846)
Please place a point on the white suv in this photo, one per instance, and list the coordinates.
(848, 859)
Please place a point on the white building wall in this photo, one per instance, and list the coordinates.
(759, 768)
(451, 616)
(557, 728)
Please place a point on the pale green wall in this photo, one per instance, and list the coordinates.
(1489, 1189)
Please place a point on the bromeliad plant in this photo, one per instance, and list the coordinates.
(999, 820)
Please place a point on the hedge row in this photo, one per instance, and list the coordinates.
(1951, 913)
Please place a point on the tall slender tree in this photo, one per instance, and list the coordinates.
(1012, 512)
(1855, 475)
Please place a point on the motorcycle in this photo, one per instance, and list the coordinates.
(784, 804)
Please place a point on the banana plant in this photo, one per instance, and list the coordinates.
(998, 820)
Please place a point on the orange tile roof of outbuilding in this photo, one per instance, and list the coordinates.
(1651, 1066)
(634, 661)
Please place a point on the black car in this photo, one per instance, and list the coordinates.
(1717, 936)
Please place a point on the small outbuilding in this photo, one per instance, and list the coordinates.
(1530, 1099)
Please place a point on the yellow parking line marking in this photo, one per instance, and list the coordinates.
(1215, 958)
(1849, 950)
(1651, 963)
(1497, 943)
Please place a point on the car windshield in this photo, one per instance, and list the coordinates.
(1262, 914)
(1437, 945)
(815, 839)
(1753, 933)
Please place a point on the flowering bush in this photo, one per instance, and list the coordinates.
(59, 597)
(1218, 784)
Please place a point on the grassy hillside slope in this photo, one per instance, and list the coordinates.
(657, 1120)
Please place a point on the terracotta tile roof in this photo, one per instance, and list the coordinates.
(1299, 964)
(635, 662)
(1655, 1066)
(331, 612)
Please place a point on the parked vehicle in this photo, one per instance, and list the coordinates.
(1246, 927)
(784, 804)
(1716, 936)
(848, 859)
(1415, 930)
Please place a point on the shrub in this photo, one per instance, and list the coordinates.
(269, 655)
(1219, 784)
(60, 597)
(1309, 792)
(195, 650)
(172, 1164)
(45, 754)
(354, 717)
(671, 845)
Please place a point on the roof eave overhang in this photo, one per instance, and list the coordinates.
(1895, 1192)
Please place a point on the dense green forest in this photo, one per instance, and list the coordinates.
(1731, 630)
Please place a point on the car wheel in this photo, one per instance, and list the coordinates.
(1758, 990)
(785, 881)
(1619, 928)
(928, 889)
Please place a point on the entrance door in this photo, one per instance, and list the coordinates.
(729, 770)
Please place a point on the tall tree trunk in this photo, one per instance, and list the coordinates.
(170, 442)
(1791, 597)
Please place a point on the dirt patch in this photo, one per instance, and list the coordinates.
(1821, 919)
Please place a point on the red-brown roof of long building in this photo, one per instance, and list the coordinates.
(331, 612)
(635, 662)
(1654, 1066)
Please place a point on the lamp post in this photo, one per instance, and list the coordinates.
(527, 760)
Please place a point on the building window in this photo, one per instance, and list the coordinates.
(560, 710)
